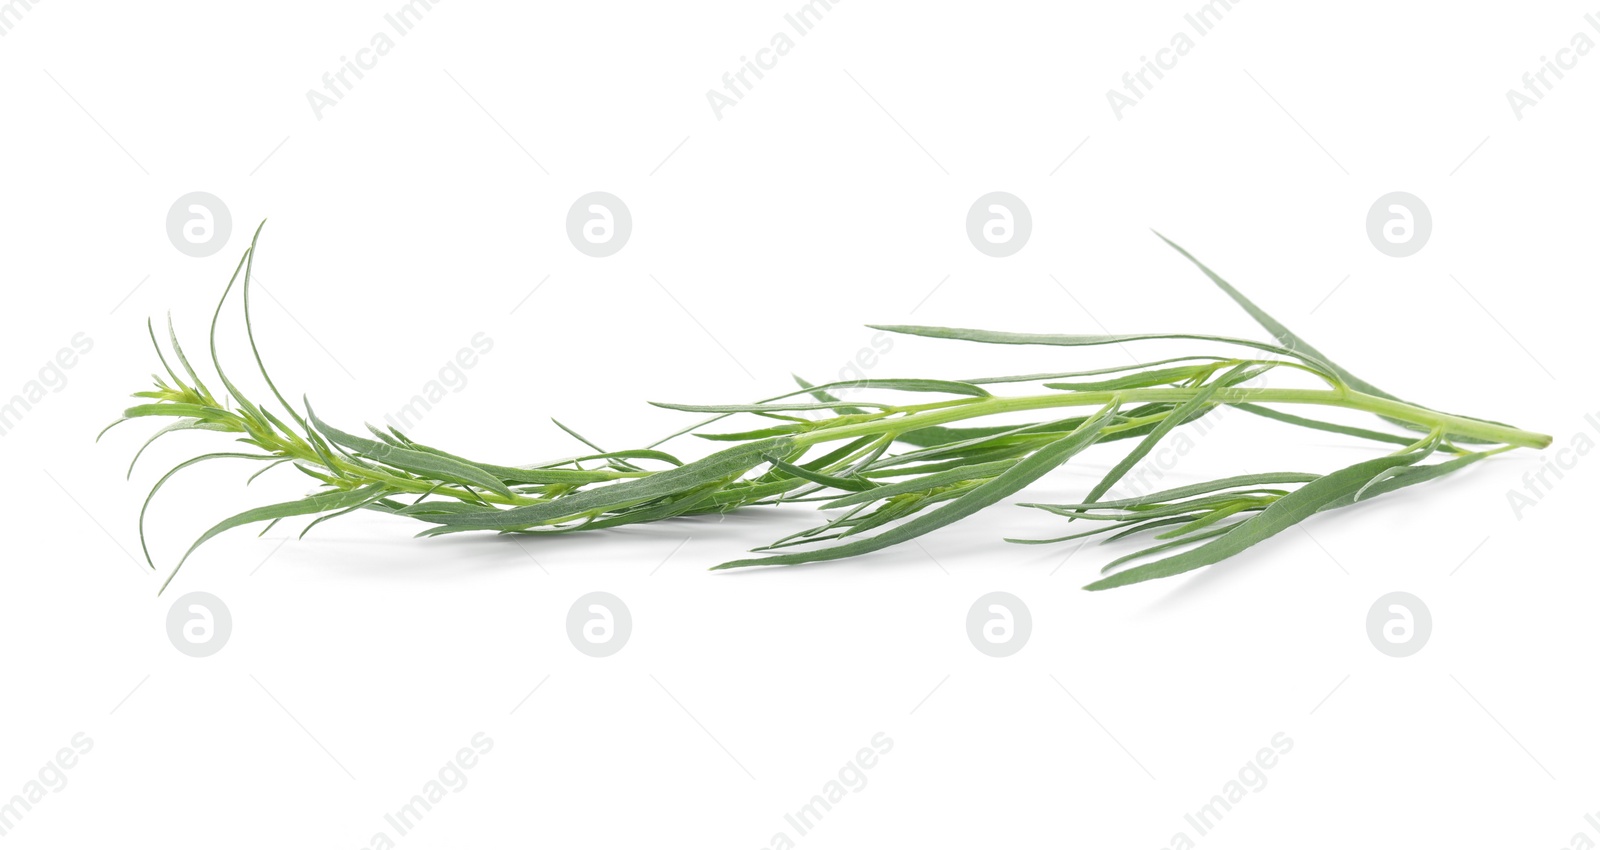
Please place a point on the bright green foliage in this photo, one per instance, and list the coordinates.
(892, 470)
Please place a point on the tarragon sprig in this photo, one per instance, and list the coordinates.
(885, 471)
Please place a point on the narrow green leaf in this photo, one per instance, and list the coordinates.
(1211, 518)
(265, 469)
(1407, 476)
(834, 481)
(423, 510)
(1282, 334)
(216, 361)
(315, 504)
(377, 495)
(1188, 490)
(1319, 425)
(183, 359)
(1016, 338)
(756, 434)
(1197, 537)
(619, 462)
(1152, 378)
(162, 481)
(150, 327)
(180, 425)
(910, 385)
(174, 408)
(755, 408)
(249, 326)
(1107, 370)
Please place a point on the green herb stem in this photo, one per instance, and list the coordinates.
(1456, 426)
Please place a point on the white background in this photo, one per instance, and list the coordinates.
(429, 202)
